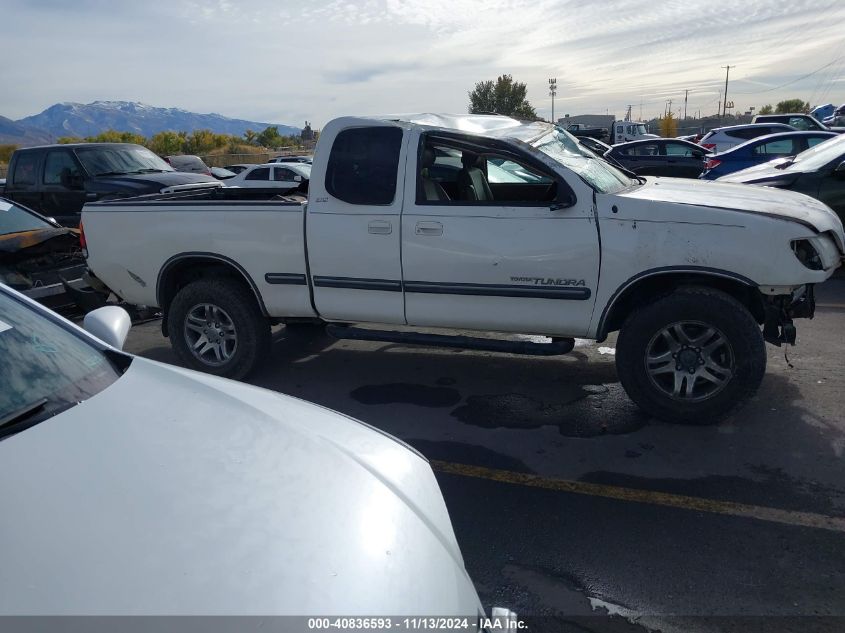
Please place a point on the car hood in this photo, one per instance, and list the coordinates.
(172, 492)
(149, 182)
(765, 173)
(775, 203)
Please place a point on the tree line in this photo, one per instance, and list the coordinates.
(200, 142)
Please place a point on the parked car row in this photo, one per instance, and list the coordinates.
(761, 150)
(719, 152)
(818, 172)
(57, 180)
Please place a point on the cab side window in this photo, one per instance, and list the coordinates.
(60, 168)
(364, 165)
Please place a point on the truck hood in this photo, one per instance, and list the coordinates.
(172, 493)
(775, 203)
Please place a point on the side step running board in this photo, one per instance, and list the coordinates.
(555, 348)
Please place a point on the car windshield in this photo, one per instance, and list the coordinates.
(820, 155)
(45, 368)
(596, 172)
(14, 219)
(117, 159)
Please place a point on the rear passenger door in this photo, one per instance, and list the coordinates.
(353, 225)
(645, 159)
(682, 161)
(258, 177)
(776, 149)
(285, 178)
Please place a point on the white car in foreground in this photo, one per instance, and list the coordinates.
(130, 487)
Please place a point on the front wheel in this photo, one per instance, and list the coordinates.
(691, 357)
(217, 327)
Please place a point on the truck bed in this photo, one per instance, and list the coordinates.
(263, 238)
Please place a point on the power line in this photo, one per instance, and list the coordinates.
(789, 83)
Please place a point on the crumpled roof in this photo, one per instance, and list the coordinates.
(493, 125)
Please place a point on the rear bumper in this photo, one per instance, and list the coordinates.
(69, 295)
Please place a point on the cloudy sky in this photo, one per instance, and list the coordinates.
(285, 62)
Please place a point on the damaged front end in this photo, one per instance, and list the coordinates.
(47, 265)
(780, 310)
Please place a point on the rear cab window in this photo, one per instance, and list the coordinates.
(25, 166)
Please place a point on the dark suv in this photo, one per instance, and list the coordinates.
(56, 180)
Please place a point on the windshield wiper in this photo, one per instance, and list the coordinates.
(28, 416)
(151, 170)
(788, 162)
(16, 418)
(113, 173)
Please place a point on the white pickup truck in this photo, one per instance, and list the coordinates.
(483, 223)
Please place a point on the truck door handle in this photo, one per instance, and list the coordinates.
(429, 228)
(380, 227)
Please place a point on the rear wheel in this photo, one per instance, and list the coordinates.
(691, 357)
(217, 327)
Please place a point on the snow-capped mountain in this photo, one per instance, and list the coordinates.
(78, 119)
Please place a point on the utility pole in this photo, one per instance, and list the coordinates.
(686, 97)
(628, 113)
(725, 98)
(552, 93)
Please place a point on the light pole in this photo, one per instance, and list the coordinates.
(725, 100)
(552, 93)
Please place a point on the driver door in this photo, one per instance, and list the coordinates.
(523, 259)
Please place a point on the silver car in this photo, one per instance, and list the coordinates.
(129, 486)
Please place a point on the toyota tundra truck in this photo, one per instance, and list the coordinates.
(490, 224)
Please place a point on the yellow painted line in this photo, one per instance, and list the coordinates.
(699, 504)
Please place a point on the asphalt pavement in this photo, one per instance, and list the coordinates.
(578, 511)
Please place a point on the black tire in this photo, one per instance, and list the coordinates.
(241, 315)
(733, 359)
